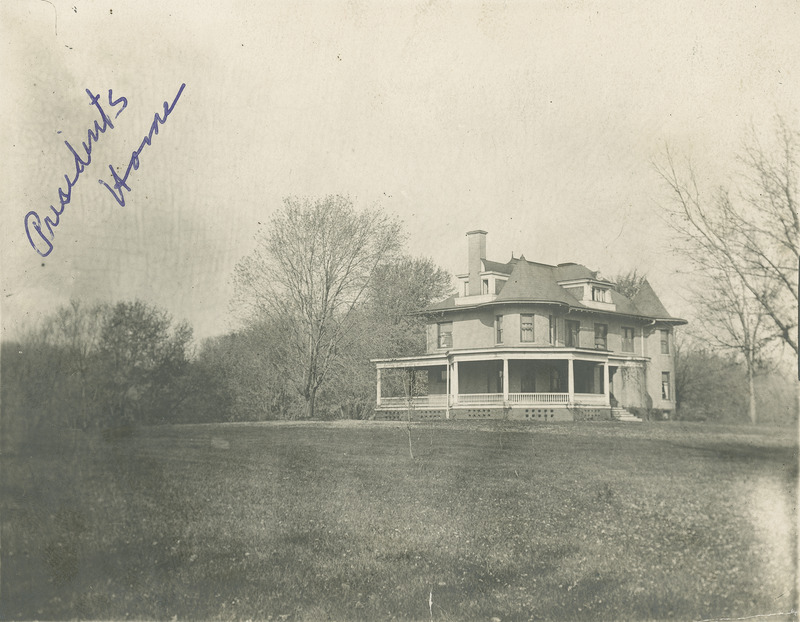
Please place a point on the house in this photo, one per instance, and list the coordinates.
(527, 340)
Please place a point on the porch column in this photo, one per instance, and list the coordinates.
(454, 382)
(571, 381)
(606, 388)
(505, 380)
(378, 397)
(447, 391)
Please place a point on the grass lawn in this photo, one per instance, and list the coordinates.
(315, 521)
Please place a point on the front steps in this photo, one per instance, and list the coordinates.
(621, 414)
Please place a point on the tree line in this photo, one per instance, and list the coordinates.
(742, 240)
(329, 287)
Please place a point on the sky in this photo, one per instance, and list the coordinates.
(539, 122)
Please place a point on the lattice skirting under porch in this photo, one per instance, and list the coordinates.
(544, 414)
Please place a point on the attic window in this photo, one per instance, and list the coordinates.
(485, 286)
(599, 294)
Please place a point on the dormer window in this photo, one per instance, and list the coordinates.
(485, 286)
(600, 295)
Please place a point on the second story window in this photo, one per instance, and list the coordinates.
(553, 334)
(445, 334)
(526, 327)
(627, 339)
(664, 341)
(498, 328)
(573, 336)
(601, 336)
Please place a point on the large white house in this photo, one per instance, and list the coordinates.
(527, 340)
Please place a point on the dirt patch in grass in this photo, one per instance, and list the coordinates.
(335, 521)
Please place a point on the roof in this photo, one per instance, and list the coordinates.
(570, 271)
(496, 266)
(532, 282)
(648, 303)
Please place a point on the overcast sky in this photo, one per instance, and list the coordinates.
(536, 121)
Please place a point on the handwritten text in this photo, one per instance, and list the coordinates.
(40, 240)
(121, 183)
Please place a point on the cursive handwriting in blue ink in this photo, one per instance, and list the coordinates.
(121, 183)
(33, 222)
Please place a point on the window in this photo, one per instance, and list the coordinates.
(598, 294)
(555, 381)
(552, 329)
(573, 334)
(627, 339)
(485, 286)
(664, 341)
(445, 334)
(601, 336)
(498, 327)
(666, 391)
(526, 327)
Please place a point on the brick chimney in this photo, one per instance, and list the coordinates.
(476, 251)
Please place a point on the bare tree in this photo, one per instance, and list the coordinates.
(734, 321)
(309, 274)
(629, 283)
(747, 237)
(77, 329)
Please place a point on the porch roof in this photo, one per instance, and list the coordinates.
(512, 353)
(423, 360)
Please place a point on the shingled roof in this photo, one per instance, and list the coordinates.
(496, 266)
(648, 303)
(537, 282)
(534, 282)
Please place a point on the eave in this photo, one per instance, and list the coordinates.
(554, 303)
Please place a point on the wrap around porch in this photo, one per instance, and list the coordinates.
(511, 379)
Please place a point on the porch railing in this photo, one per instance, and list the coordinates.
(494, 399)
(479, 399)
(538, 398)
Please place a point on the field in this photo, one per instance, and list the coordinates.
(316, 521)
